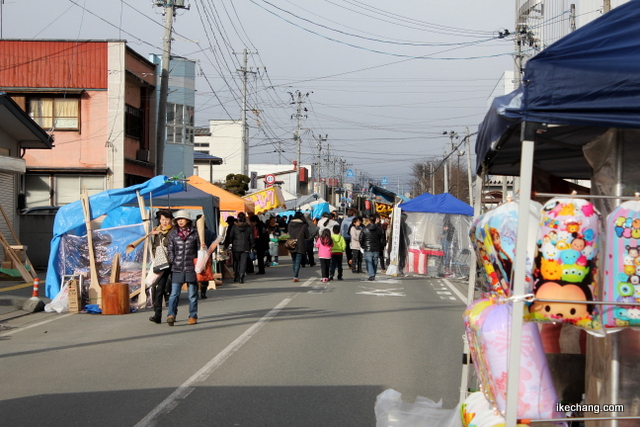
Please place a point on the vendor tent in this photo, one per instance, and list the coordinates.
(229, 202)
(572, 93)
(441, 203)
(69, 219)
(576, 115)
(435, 235)
(191, 198)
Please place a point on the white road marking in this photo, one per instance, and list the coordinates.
(187, 388)
(456, 291)
(391, 292)
(20, 328)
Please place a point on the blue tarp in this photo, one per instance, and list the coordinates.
(70, 218)
(443, 203)
(589, 81)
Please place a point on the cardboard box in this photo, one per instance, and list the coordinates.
(74, 296)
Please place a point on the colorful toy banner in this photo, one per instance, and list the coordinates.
(267, 199)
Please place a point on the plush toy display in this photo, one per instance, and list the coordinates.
(568, 245)
(622, 269)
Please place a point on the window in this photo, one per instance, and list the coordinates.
(69, 187)
(56, 113)
(38, 190)
(134, 123)
(180, 124)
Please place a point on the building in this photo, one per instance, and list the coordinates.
(18, 133)
(222, 139)
(97, 99)
(181, 98)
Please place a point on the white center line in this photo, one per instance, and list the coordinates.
(186, 388)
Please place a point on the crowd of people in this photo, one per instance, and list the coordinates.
(351, 240)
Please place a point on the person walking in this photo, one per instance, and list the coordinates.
(345, 228)
(161, 288)
(313, 229)
(298, 229)
(183, 248)
(324, 245)
(241, 241)
(356, 249)
(382, 226)
(209, 237)
(274, 244)
(371, 240)
(261, 240)
(337, 251)
(327, 221)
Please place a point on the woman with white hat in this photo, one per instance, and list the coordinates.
(183, 249)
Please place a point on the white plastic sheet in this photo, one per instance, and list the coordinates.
(392, 411)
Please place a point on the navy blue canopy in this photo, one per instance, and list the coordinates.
(576, 89)
(443, 203)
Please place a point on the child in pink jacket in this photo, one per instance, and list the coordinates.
(324, 245)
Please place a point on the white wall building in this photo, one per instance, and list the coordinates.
(224, 140)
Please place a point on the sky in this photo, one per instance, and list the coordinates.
(380, 80)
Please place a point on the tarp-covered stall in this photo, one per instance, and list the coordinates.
(437, 235)
(230, 204)
(576, 115)
(121, 226)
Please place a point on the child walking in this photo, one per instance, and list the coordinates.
(324, 245)
(339, 246)
(274, 234)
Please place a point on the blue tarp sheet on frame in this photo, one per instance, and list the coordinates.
(444, 203)
(70, 218)
(588, 80)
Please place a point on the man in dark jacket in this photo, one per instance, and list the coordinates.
(371, 241)
(298, 229)
(241, 240)
(261, 240)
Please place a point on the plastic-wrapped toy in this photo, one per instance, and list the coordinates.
(568, 244)
(622, 271)
(536, 394)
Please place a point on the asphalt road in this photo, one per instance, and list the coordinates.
(269, 352)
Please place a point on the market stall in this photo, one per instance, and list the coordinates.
(230, 204)
(576, 116)
(266, 200)
(437, 235)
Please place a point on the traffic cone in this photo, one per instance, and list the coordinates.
(36, 285)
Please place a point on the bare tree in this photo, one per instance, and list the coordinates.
(428, 177)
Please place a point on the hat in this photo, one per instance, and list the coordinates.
(183, 214)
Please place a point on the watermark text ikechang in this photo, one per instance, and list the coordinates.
(595, 409)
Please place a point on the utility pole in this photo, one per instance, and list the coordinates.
(244, 157)
(169, 11)
(606, 6)
(433, 179)
(296, 133)
(572, 17)
(446, 177)
(319, 166)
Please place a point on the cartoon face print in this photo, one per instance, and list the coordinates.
(620, 221)
(573, 226)
(632, 251)
(569, 209)
(569, 256)
(629, 270)
(550, 270)
(588, 210)
(549, 251)
(636, 292)
(589, 252)
(589, 235)
(561, 311)
(574, 273)
(564, 236)
(627, 260)
(561, 246)
(578, 244)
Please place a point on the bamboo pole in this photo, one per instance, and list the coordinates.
(95, 291)
(142, 298)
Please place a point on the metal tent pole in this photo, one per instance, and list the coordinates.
(515, 340)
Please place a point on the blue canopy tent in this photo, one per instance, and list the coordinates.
(437, 235)
(444, 203)
(572, 93)
(576, 115)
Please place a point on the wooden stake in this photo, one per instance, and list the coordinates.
(95, 291)
(115, 269)
(16, 261)
(142, 298)
(17, 240)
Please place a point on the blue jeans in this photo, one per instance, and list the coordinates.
(297, 260)
(371, 259)
(176, 288)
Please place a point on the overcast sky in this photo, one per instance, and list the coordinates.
(384, 79)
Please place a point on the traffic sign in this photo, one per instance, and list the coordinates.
(350, 174)
(270, 179)
(384, 180)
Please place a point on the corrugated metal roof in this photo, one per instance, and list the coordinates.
(53, 64)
